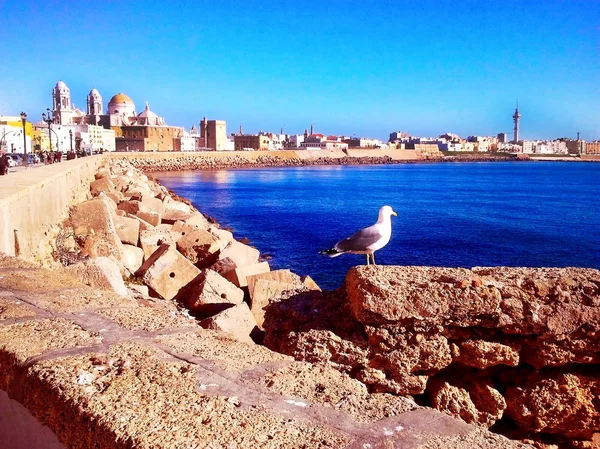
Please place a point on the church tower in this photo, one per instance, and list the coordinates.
(94, 103)
(516, 117)
(61, 104)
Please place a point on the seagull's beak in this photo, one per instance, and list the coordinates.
(394, 214)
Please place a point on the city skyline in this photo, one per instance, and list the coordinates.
(367, 69)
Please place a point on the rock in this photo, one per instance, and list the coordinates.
(171, 216)
(238, 275)
(139, 289)
(144, 225)
(222, 234)
(151, 239)
(263, 292)
(101, 185)
(131, 206)
(291, 280)
(242, 255)
(102, 173)
(166, 271)
(94, 229)
(128, 230)
(484, 354)
(184, 228)
(150, 217)
(211, 294)
(197, 219)
(132, 257)
(152, 204)
(237, 321)
(475, 402)
(310, 283)
(116, 196)
(557, 403)
(223, 266)
(171, 205)
(101, 273)
(198, 245)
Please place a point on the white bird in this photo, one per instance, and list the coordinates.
(368, 240)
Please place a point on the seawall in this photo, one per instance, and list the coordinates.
(34, 201)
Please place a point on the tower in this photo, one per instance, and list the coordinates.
(61, 104)
(516, 117)
(94, 103)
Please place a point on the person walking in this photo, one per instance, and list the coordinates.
(3, 163)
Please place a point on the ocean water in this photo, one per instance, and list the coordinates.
(449, 214)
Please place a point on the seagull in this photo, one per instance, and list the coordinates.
(368, 240)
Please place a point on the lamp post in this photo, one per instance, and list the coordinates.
(49, 119)
(24, 120)
(71, 138)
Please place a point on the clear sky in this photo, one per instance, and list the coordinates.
(349, 67)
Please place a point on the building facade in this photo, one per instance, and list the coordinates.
(246, 142)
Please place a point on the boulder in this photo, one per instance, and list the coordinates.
(222, 234)
(171, 205)
(152, 204)
(144, 225)
(198, 245)
(151, 239)
(284, 277)
(223, 266)
(210, 294)
(198, 220)
(310, 283)
(171, 216)
(128, 230)
(183, 227)
(100, 273)
(130, 206)
(101, 185)
(237, 321)
(133, 257)
(239, 274)
(263, 291)
(166, 271)
(484, 354)
(94, 229)
(103, 172)
(242, 255)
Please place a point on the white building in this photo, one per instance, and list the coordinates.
(11, 135)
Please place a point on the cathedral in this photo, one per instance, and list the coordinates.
(145, 131)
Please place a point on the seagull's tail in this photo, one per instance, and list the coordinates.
(331, 252)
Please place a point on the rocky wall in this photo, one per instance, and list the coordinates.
(512, 349)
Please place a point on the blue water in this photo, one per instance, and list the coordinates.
(454, 215)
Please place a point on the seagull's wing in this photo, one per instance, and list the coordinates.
(359, 241)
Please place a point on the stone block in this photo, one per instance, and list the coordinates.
(128, 230)
(151, 217)
(198, 245)
(239, 275)
(102, 173)
(241, 254)
(116, 196)
(171, 216)
(237, 321)
(263, 291)
(151, 239)
(100, 273)
(222, 234)
(94, 229)
(139, 289)
(173, 205)
(197, 219)
(152, 204)
(133, 257)
(144, 225)
(101, 185)
(183, 227)
(130, 206)
(310, 283)
(223, 266)
(166, 271)
(286, 277)
(211, 294)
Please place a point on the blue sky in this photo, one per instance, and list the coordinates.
(349, 67)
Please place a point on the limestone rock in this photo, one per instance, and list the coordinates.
(132, 257)
(131, 206)
(152, 204)
(223, 235)
(237, 320)
(101, 273)
(291, 280)
(484, 354)
(223, 266)
(238, 275)
(94, 229)
(166, 271)
(128, 230)
(171, 216)
(151, 217)
(103, 184)
(211, 294)
(475, 402)
(197, 245)
(151, 239)
(557, 403)
(310, 283)
(198, 220)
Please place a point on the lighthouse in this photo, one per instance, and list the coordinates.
(516, 118)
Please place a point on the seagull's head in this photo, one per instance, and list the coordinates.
(386, 212)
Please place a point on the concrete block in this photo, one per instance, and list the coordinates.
(152, 204)
(263, 292)
(211, 294)
(173, 205)
(280, 276)
(102, 173)
(223, 266)
(237, 321)
(310, 283)
(100, 273)
(116, 196)
(241, 254)
(130, 206)
(128, 230)
(133, 257)
(144, 225)
(197, 219)
(139, 289)
(151, 239)
(93, 226)
(171, 216)
(101, 185)
(183, 227)
(166, 271)
(222, 234)
(198, 245)
(151, 217)
(239, 275)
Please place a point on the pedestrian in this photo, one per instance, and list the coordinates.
(58, 156)
(3, 164)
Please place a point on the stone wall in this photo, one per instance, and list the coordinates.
(34, 201)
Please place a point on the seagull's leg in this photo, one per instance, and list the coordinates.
(367, 259)
(373, 257)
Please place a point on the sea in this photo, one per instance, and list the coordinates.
(517, 214)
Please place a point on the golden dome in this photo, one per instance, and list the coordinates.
(120, 98)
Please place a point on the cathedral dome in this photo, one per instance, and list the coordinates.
(61, 85)
(121, 104)
(147, 117)
(94, 93)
